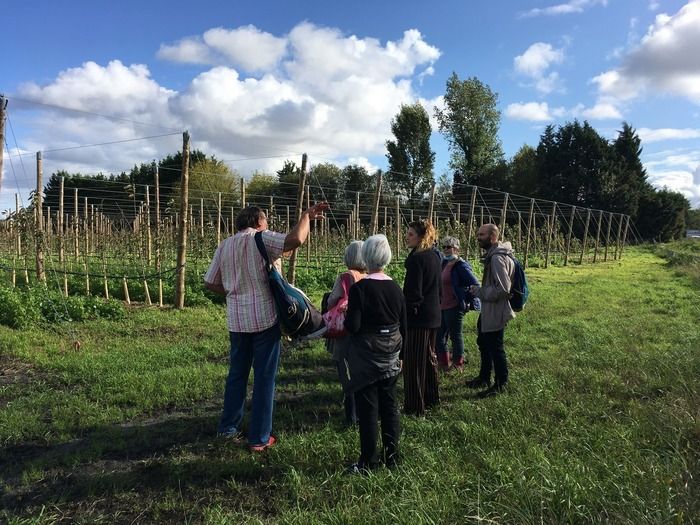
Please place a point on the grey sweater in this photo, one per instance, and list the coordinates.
(495, 288)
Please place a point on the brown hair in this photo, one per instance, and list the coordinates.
(426, 231)
(249, 218)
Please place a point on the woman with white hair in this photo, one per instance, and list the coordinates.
(356, 270)
(376, 320)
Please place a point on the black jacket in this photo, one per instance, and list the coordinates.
(422, 289)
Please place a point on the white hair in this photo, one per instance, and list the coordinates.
(353, 256)
(376, 252)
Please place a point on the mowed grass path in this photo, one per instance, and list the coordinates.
(602, 423)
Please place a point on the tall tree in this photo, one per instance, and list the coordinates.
(523, 169)
(632, 178)
(410, 158)
(469, 121)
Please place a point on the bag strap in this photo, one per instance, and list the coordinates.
(261, 248)
(344, 283)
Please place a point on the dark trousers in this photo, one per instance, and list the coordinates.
(348, 399)
(378, 401)
(493, 355)
(420, 372)
(452, 328)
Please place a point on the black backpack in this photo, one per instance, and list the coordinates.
(297, 316)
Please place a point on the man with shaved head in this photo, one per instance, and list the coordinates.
(496, 311)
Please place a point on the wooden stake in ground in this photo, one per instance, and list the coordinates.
(550, 233)
(585, 236)
(375, 205)
(624, 236)
(504, 211)
(470, 224)
(398, 228)
(159, 233)
(431, 206)
(182, 232)
(597, 235)
(619, 234)
(3, 107)
(607, 237)
(39, 217)
(291, 271)
(568, 235)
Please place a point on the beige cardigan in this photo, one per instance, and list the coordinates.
(495, 288)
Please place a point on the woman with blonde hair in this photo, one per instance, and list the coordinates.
(421, 289)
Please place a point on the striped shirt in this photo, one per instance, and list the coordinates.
(238, 267)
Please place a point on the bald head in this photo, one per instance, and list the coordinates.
(487, 235)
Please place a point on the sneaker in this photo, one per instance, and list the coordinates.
(494, 390)
(263, 446)
(477, 382)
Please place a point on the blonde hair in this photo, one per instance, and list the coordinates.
(427, 233)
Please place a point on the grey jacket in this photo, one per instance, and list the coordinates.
(495, 288)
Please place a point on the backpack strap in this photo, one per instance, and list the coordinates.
(261, 248)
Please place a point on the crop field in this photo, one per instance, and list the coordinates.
(110, 417)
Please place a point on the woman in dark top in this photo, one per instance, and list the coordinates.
(376, 320)
(421, 288)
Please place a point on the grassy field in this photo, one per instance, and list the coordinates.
(602, 423)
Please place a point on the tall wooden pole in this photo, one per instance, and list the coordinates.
(528, 231)
(39, 218)
(504, 211)
(607, 237)
(431, 206)
(585, 236)
(292, 270)
(550, 233)
(398, 228)
(3, 107)
(568, 235)
(624, 236)
(375, 207)
(308, 239)
(597, 236)
(156, 176)
(218, 218)
(243, 201)
(76, 224)
(182, 232)
(149, 235)
(470, 224)
(619, 235)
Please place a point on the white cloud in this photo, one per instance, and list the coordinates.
(659, 134)
(535, 62)
(246, 47)
(323, 92)
(532, 111)
(654, 5)
(602, 111)
(685, 182)
(665, 61)
(572, 6)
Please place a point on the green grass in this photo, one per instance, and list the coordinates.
(602, 423)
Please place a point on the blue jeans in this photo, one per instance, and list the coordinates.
(262, 351)
(452, 328)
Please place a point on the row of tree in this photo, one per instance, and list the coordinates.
(572, 164)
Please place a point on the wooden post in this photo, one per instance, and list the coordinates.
(585, 236)
(398, 228)
(470, 223)
(243, 203)
(504, 211)
(232, 229)
(619, 235)
(530, 217)
(459, 213)
(358, 224)
(624, 236)
(61, 254)
(308, 239)
(291, 271)
(158, 238)
(218, 219)
(201, 218)
(375, 207)
(288, 217)
(3, 107)
(149, 236)
(272, 212)
(431, 205)
(568, 235)
(597, 236)
(76, 224)
(19, 243)
(126, 290)
(386, 219)
(607, 237)
(86, 231)
(39, 218)
(550, 233)
(182, 233)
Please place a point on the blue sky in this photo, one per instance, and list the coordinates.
(265, 81)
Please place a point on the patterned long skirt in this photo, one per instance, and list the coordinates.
(420, 371)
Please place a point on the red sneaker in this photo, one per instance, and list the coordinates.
(263, 446)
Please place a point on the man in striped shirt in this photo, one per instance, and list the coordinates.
(238, 271)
